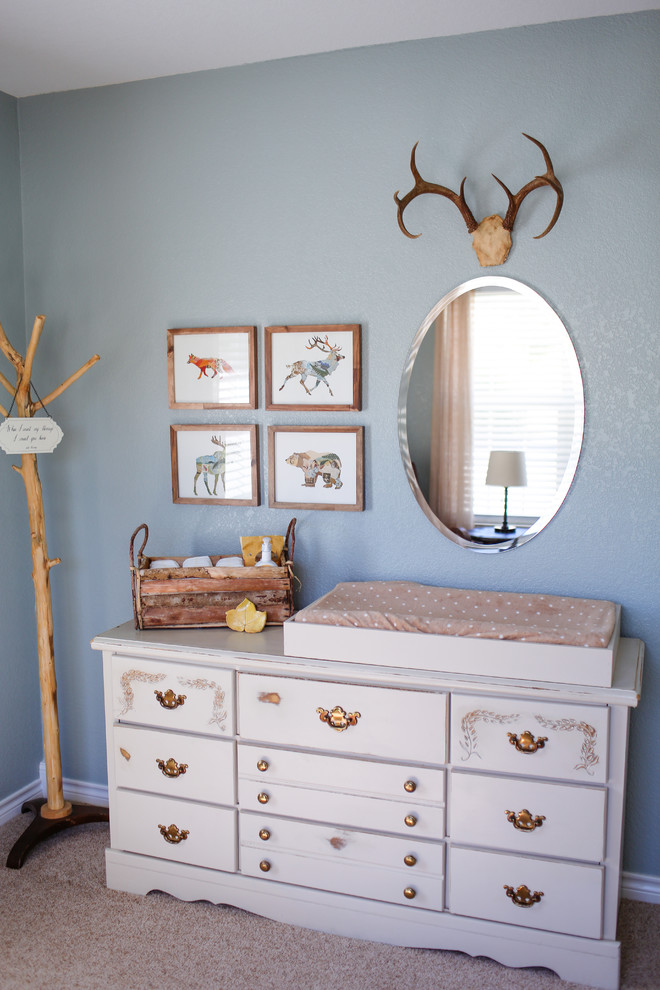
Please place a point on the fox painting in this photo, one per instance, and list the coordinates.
(216, 365)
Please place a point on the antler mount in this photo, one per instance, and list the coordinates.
(491, 239)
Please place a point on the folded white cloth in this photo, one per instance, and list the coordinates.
(197, 562)
(230, 562)
(163, 563)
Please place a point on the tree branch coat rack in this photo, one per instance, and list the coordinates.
(55, 813)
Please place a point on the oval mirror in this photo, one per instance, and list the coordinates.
(491, 414)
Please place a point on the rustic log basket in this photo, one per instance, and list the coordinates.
(201, 596)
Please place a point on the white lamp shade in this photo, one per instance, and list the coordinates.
(506, 468)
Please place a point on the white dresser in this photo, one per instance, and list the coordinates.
(411, 807)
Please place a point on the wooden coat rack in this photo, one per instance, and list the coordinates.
(55, 813)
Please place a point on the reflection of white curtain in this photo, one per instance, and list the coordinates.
(450, 487)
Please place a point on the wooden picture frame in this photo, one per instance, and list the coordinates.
(212, 368)
(316, 467)
(328, 376)
(215, 464)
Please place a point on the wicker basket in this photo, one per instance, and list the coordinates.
(201, 596)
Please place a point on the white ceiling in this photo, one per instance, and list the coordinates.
(52, 45)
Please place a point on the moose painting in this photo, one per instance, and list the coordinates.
(313, 367)
(214, 465)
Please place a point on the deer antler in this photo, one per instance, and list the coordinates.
(547, 179)
(422, 186)
(317, 342)
(218, 443)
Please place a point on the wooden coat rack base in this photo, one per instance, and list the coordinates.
(41, 828)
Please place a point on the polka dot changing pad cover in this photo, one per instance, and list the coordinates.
(407, 607)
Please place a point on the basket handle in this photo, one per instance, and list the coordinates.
(290, 539)
(131, 558)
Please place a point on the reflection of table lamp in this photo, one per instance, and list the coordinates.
(506, 468)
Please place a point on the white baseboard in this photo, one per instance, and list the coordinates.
(634, 886)
(638, 887)
(77, 790)
(11, 806)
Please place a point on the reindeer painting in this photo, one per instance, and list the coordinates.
(217, 365)
(320, 369)
(213, 464)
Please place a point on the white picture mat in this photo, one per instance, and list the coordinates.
(287, 348)
(289, 480)
(192, 444)
(225, 387)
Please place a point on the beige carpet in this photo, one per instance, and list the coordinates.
(61, 928)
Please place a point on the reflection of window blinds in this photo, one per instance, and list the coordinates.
(524, 399)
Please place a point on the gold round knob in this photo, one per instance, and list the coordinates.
(410, 860)
(263, 798)
(410, 786)
(262, 765)
(264, 865)
(264, 834)
(409, 892)
(410, 821)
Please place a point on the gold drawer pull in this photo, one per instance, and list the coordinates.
(522, 896)
(262, 765)
(410, 860)
(524, 820)
(168, 699)
(264, 865)
(525, 742)
(172, 834)
(410, 786)
(263, 798)
(409, 892)
(170, 768)
(410, 821)
(264, 834)
(337, 718)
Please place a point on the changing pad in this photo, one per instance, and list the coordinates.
(408, 607)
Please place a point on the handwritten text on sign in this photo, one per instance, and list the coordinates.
(29, 436)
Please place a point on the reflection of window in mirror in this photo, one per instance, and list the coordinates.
(523, 398)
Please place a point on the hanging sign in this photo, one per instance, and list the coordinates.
(29, 436)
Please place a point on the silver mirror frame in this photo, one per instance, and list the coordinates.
(578, 433)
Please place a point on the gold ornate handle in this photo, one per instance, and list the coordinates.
(171, 833)
(525, 742)
(337, 718)
(170, 768)
(410, 860)
(523, 896)
(410, 821)
(524, 820)
(410, 786)
(264, 866)
(409, 892)
(168, 699)
(263, 798)
(264, 834)
(262, 765)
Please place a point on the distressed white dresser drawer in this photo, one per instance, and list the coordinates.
(341, 845)
(565, 897)
(531, 738)
(187, 832)
(528, 816)
(398, 781)
(386, 722)
(184, 766)
(360, 867)
(343, 809)
(173, 695)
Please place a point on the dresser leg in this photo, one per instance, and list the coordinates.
(41, 828)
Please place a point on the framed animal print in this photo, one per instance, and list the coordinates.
(313, 367)
(212, 368)
(214, 465)
(316, 467)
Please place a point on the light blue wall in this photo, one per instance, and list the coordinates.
(20, 723)
(263, 194)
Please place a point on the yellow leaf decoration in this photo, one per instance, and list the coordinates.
(245, 618)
